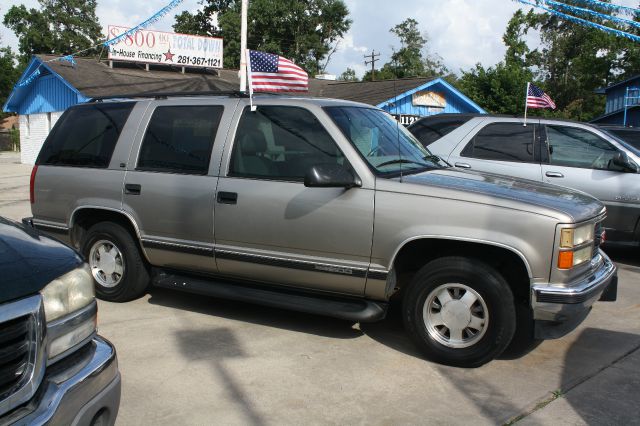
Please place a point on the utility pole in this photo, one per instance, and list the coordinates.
(373, 60)
(243, 45)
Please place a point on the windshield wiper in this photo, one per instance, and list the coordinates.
(403, 160)
(435, 159)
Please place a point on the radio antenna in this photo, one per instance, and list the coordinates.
(395, 100)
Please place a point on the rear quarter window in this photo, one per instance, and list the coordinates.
(85, 136)
(427, 132)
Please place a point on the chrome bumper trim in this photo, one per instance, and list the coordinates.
(72, 387)
(580, 292)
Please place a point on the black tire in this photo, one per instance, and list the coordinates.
(494, 304)
(134, 279)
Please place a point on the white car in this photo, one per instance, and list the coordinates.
(572, 154)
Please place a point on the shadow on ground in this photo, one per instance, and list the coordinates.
(609, 395)
(254, 314)
(218, 345)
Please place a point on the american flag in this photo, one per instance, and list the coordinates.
(536, 98)
(273, 73)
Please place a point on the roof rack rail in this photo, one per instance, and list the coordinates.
(165, 95)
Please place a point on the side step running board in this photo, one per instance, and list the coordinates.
(351, 309)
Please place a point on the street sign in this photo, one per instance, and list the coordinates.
(159, 47)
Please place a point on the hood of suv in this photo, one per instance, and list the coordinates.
(511, 192)
(29, 261)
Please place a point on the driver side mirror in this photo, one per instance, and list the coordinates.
(330, 176)
(621, 160)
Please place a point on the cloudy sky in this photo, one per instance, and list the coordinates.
(463, 32)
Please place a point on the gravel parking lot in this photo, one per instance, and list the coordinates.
(189, 359)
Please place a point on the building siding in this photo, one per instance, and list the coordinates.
(48, 94)
(34, 129)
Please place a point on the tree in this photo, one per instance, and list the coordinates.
(499, 89)
(60, 27)
(413, 58)
(301, 30)
(571, 61)
(348, 75)
(9, 74)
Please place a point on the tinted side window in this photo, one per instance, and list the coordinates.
(503, 142)
(281, 143)
(429, 132)
(573, 147)
(179, 139)
(85, 136)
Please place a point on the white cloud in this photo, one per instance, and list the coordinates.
(463, 32)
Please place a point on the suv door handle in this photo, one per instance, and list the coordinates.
(227, 197)
(463, 165)
(132, 188)
(554, 174)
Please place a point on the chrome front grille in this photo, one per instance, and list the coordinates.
(22, 355)
(16, 344)
(599, 238)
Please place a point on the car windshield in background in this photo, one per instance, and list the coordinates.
(631, 138)
(386, 145)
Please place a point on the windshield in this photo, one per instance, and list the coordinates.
(385, 144)
(629, 138)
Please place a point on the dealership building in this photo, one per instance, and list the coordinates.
(61, 84)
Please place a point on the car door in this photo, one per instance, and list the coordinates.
(504, 147)
(170, 183)
(581, 159)
(270, 227)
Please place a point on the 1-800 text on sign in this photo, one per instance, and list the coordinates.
(158, 47)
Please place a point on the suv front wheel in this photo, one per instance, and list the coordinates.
(459, 311)
(118, 270)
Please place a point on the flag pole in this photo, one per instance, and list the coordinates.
(526, 104)
(248, 59)
(243, 46)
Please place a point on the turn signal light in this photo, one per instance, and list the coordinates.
(565, 260)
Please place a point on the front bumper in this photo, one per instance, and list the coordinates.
(557, 310)
(81, 389)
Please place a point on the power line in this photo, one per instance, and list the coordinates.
(373, 60)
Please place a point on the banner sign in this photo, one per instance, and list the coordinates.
(158, 47)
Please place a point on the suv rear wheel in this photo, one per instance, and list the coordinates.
(118, 270)
(459, 311)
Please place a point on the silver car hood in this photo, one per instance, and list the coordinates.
(509, 192)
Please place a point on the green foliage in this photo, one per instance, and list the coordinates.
(9, 74)
(569, 62)
(15, 139)
(348, 75)
(499, 89)
(60, 27)
(301, 30)
(412, 59)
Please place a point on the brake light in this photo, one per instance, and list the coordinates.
(32, 181)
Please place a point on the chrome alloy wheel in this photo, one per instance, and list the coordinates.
(455, 315)
(107, 263)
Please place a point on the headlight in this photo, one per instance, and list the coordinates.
(572, 237)
(70, 311)
(68, 293)
(579, 242)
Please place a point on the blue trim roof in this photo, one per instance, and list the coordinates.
(474, 107)
(47, 93)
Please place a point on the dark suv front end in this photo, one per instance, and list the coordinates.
(54, 368)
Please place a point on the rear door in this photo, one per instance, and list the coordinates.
(504, 147)
(581, 159)
(171, 180)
